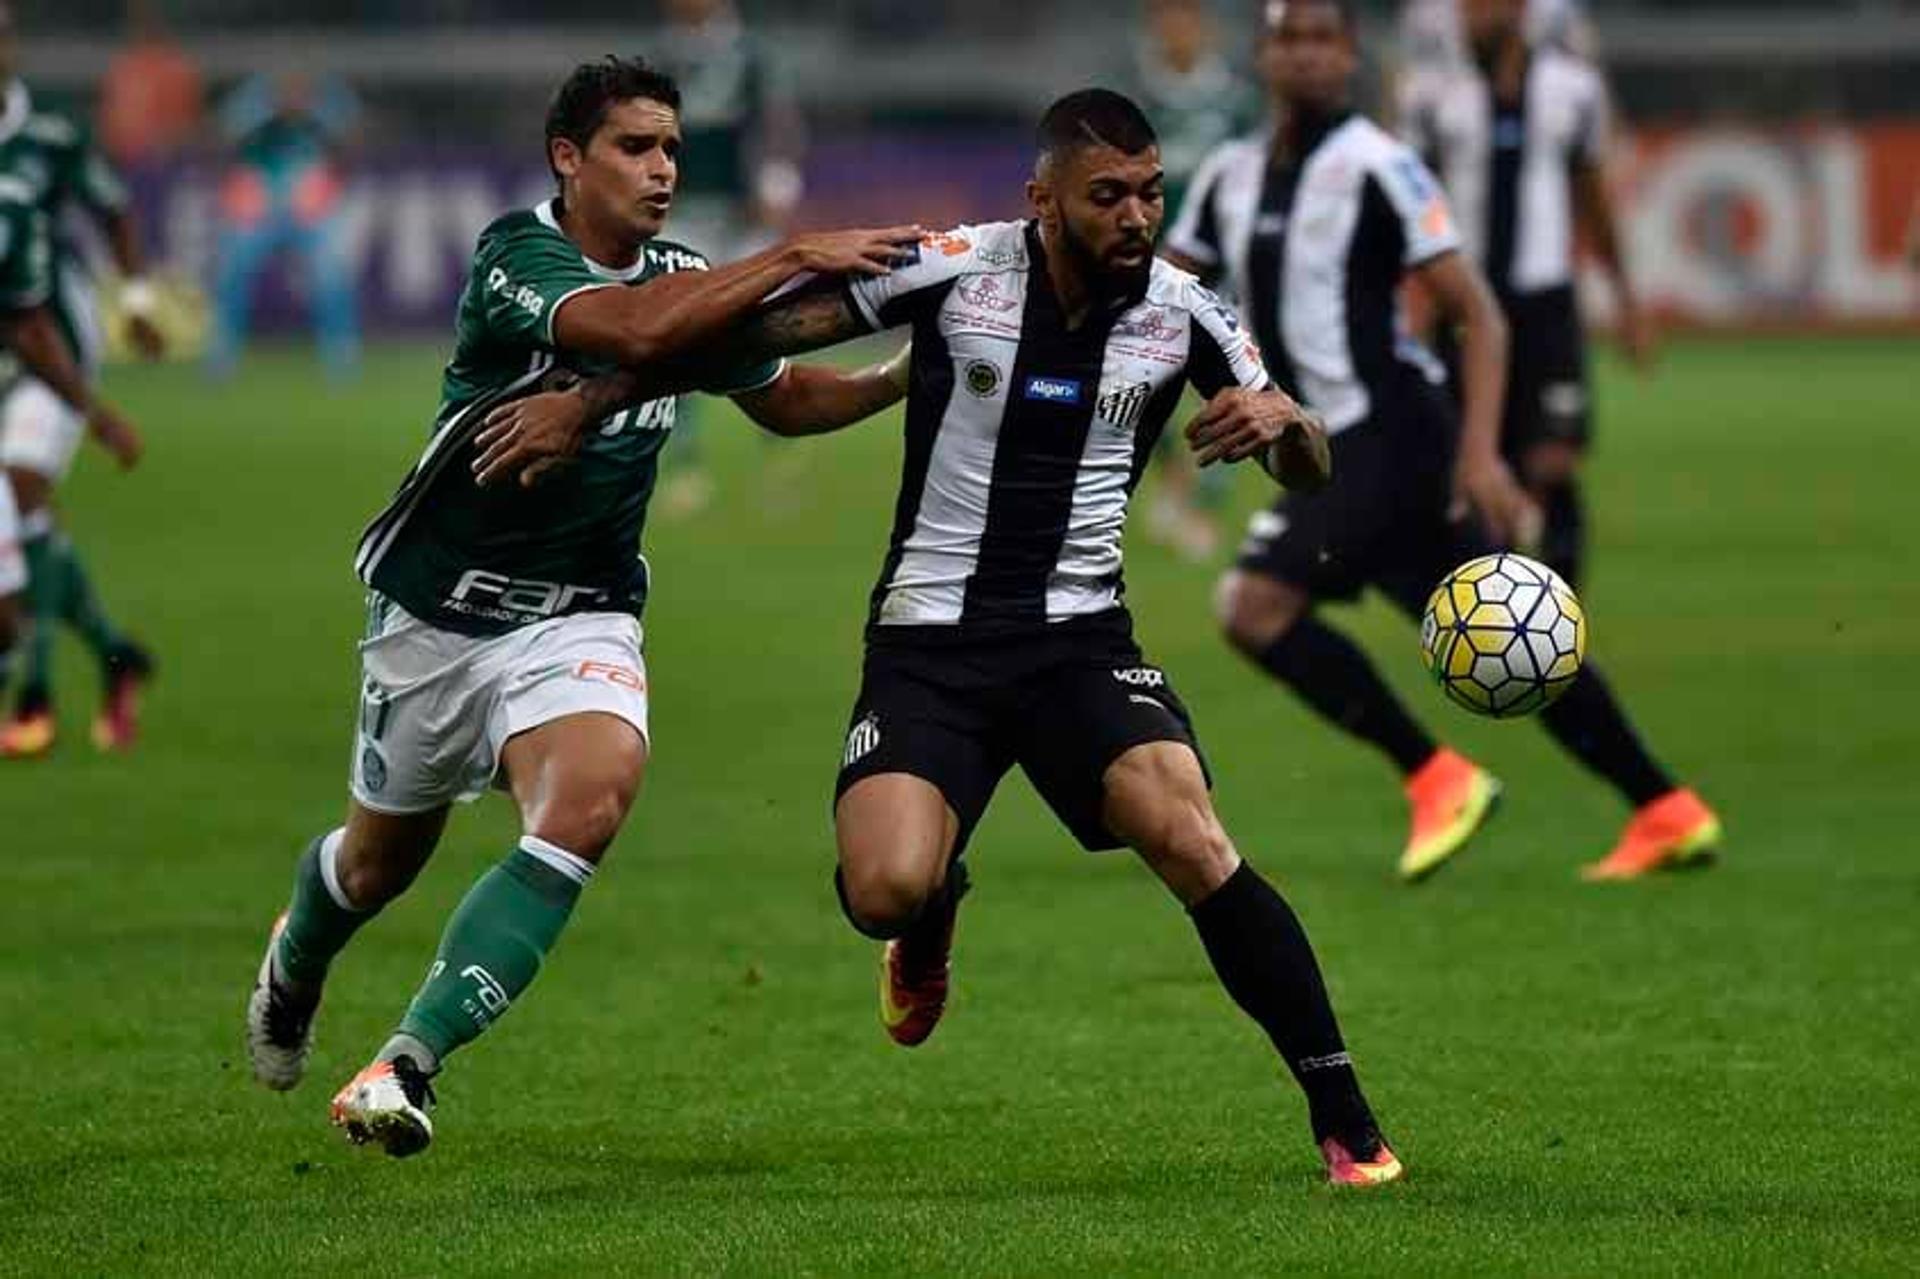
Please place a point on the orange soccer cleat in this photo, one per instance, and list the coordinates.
(1367, 1162)
(1673, 832)
(27, 736)
(389, 1104)
(1451, 798)
(117, 727)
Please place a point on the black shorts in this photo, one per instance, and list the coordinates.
(1383, 522)
(1062, 705)
(1548, 395)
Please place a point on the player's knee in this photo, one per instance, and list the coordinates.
(882, 896)
(1190, 850)
(370, 878)
(588, 822)
(1255, 612)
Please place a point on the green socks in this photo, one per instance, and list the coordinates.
(321, 921)
(491, 951)
(58, 590)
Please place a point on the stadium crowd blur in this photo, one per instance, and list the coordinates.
(1769, 148)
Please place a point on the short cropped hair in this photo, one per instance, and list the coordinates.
(1094, 118)
(1276, 9)
(581, 103)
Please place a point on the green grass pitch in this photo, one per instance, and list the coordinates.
(1707, 1074)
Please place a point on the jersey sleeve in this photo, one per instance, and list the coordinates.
(523, 275)
(1426, 222)
(26, 257)
(889, 301)
(1222, 353)
(1196, 227)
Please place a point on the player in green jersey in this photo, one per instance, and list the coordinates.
(503, 645)
(55, 161)
(1196, 100)
(30, 332)
(741, 182)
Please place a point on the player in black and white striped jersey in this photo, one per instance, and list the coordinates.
(1047, 358)
(1519, 131)
(1316, 228)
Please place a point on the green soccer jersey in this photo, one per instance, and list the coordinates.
(723, 77)
(55, 159)
(26, 249)
(1193, 112)
(487, 561)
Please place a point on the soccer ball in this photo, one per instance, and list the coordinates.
(1504, 635)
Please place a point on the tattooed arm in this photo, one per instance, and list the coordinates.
(527, 437)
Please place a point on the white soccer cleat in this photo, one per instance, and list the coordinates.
(387, 1105)
(279, 1023)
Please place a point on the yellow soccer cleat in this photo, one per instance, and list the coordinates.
(1675, 832)
(1451, 798)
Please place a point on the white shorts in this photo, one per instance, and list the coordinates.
(437, 708)
(13, 560)
(39, 431)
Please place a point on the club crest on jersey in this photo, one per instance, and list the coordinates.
(1054, 390)
(1121, 408)
(983, 378)
(862, 740)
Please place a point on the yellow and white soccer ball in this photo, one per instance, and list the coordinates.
(1504, 635)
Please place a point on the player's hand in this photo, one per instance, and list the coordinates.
(1639, 340)
(1485, 483)
(119, 437)
(867, 252)
(147, 339)
(1238, 424)
(527, 438)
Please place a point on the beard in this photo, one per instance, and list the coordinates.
(1113, 282)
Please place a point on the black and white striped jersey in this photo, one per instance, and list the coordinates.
(1508, 166)
(1025, 438)
(1314, 250)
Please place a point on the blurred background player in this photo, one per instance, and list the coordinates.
(1196, 99)
(740, 181)
(288, 134)
(1317, 228)
(152, 96)
(50, 160)
(1518, 132)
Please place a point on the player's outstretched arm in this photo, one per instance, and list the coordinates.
(527, 437)
(1240, 423)
(813, 400)
(33, 336)
(671, 316)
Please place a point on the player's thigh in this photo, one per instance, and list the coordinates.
(39, 435)
(569, 728)
(575, 778)
(1325, 543)
(915, 736)
(896, 834)
(1082, 719)
(1156, 800)
(382, 853)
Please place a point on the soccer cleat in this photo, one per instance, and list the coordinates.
(1364, 1162)
(129, 670)
(914, 970)
(1673, 832)
(28, 735)
(387, 1104)
(1451, 798)
(279, 1022)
